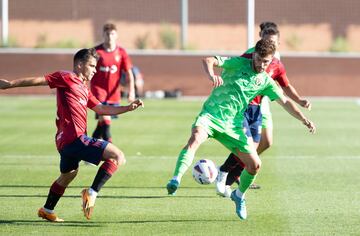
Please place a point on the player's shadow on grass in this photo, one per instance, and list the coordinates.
(107, 187)
(39, 222)
(81, 187)
(97, 224)
(106, 196)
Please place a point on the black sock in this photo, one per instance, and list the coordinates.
(52, 200)
(106, 132)
(55, 193)
(97, 132)
(100, 179)
(230, 163)
(233, 175)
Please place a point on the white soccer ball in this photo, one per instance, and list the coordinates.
(205, 171)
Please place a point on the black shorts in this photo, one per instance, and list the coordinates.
(83, 148)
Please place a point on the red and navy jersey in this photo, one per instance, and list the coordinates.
(276, 70)
(73, 97)
(105, 83)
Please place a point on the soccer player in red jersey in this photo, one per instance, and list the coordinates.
(105, 84)
(254, 120)
(73, 99)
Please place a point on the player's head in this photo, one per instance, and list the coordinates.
(267, 24)
(271, 33)
(264, 53)
(85, 61)
(110, 33)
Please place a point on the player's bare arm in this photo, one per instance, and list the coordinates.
(24, 82)
(209, 64)
(293, 110)
(114, 110)
(130, 75)
(291, 92)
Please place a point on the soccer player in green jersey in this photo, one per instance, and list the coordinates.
(220, 118)
(262, 135)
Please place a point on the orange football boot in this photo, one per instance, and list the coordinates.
(52, 217)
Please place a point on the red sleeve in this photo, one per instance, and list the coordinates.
(126, 62)
(58, 79)
(247, 55)
(92, 101)
(281, 76)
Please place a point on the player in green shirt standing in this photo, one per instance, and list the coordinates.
(221, 116)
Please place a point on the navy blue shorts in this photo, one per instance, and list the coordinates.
(252, 122)
(83, 148)
(110, 104)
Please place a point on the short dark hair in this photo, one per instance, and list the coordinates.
(267, 24)
(83, 55)
(265, 47)
(109, 26)
(270, 31)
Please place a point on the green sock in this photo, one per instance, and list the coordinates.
(183, 162)
(246, 180)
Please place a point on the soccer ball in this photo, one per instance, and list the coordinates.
(205, 171)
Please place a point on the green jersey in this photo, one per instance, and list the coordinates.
(242, 84)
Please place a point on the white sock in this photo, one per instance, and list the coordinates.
(239, 194)
(223, 175)
(93, 193)
(48, 210)
(177, 178)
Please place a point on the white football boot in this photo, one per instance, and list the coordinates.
(220, 183)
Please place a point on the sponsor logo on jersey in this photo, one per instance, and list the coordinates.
(259, 80)
(112, 69)
(82, 101)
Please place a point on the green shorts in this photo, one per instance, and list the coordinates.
(267, 121)
(231, 137)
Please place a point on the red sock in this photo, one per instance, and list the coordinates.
(57, 188)
(109, 166)
(55, 193)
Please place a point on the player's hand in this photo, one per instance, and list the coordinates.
(135, 104)
(217, 80)
(310, 125)
(306, 104)
(4, 84)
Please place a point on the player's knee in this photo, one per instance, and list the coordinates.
(72, 174)
(268, 143)
(66, 178)
(119, 157)
(257, 166)
(254, 168)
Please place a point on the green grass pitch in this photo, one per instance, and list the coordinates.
(310, 183)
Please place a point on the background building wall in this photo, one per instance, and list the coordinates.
(216, 25)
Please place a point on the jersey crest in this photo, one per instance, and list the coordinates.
(259, 80)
